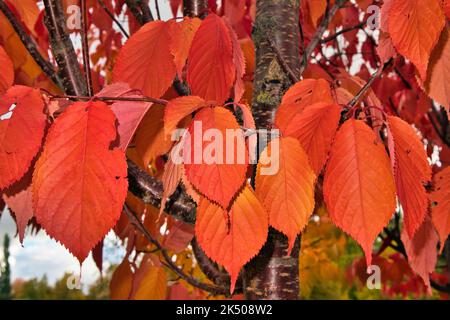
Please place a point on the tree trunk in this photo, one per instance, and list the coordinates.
(195, 8)
(273, 274)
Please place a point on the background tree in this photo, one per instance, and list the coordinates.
(5, 271)
(362, 112)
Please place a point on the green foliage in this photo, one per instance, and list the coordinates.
(40, 289)
(5, 272)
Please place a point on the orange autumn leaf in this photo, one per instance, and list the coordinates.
(286, 193)
(121, 281)
(437, 83)
(178, 108)
(421, 250)
(145, 61)
(211, 70)
(411, 172)
(232, 238)
(18, 197)
(239, 63)
(414, 27)
(151, 141)
(89, 176)
(303, 93)
(308, 91)
(217, 175)
(171, 177)
(7, 74)
(149, 281)
(440, 204)
(22, 124)
(358, 186)
(181, 36)
(315, 128)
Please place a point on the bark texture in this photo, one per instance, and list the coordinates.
(62, 49)
(276, 22)
(195, 8)
(273, 274)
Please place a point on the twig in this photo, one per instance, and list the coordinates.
(113, 18)
(157, 10)
(98, 98)
(438, 131)
(30, 45)
(146, 13)
(368, 84)
(319, 32)
(135, 11)
(338, 33)
(85, 48)
(168, 261)
(292, 76)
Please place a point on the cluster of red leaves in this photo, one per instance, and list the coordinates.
(70, 173)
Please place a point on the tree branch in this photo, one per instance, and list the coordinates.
(195, 8)
(135, 11)
(168, 260)
(150, 190)
(319, 33)
(368, 84)
(146, 13)
(113, 18)
(345, 30)
(62, 48)
(85, 48)
(30, 45)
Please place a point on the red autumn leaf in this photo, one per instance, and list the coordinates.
(22, 124)
(411, 172)
(191, 192)
(437, 83)
(145, 61)
(171, 178)
(97, 255)
(181, 36)
(307, 92)
(178, 108)
(89, 177)
(239, 63)
(177, 236)
(128, 113)
(7, 74)
(358, 186)
(217, 175)
(421, 250)
(18, 197)
(211, 70)
(440, 204)
(446, 7)
(232, 243)
(414, 27)
(286, 193)
(315, 128)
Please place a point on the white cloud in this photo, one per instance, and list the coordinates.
(40, 255)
